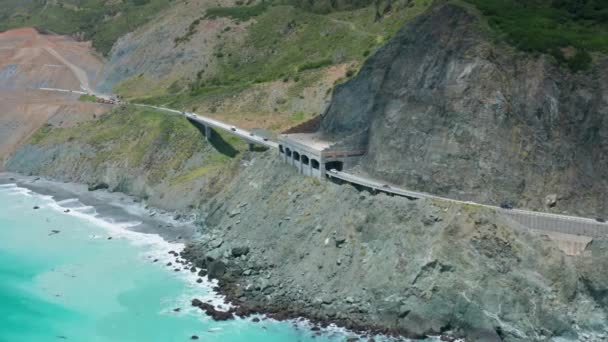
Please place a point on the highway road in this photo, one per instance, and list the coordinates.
(241, 133)
(532, 219)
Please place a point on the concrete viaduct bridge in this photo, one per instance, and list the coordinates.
(210, 124)
(313, 156)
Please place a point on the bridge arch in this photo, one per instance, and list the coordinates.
(288, 152)
(305, 159)
(314, 163)
(296, 156)
(281, 149)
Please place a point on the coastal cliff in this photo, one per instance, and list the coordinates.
(296, 246)
(447, 110)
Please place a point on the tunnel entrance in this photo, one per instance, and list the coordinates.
(334, 165)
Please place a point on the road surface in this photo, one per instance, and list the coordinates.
(532, 219)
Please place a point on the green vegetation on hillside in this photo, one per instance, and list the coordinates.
(283, 47)
(159, 142)
(566, 29)
(191, 31)
(102, 21)
(241, 13)
(87, 98)
(287, 40)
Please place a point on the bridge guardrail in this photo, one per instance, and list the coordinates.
(532, 219)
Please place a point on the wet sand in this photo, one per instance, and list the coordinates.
(113, 207)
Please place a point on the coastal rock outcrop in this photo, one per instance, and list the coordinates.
(401, 267)
(445, 109)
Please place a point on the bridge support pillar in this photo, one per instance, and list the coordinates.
(251, 147)
(208, 133)
(322, 168)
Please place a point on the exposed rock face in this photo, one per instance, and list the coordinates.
(393, 265)
(448, 112)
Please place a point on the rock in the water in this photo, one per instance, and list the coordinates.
(98, 186)
(210, 310)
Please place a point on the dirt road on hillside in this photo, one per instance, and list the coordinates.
(30, 61)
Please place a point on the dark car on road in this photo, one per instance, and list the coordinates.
(600, 219)
(506, 205)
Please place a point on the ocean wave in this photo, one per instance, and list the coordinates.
(157, 252)
(156, 248)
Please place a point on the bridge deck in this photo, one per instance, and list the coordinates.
(532, 219)
(241, 133)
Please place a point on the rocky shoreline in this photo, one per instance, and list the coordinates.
(282, 310)
(181, 229)
(290, 246)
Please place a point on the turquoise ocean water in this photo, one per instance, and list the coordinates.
(77, 285)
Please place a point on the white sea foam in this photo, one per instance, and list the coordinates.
(156, 247)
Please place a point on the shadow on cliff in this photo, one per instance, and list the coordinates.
(217, 141)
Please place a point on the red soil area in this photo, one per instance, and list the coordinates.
(30, 61)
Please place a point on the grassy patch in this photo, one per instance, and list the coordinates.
(315, 64)
(157, 143)
(101, 21)
(87, 98)
(240, 13)
(566, 29)
(297, 117)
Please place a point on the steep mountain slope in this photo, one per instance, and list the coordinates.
(100, 21)
(155, 156)
(29, 61)
(446, 110)
(274, 63)
(295, 246)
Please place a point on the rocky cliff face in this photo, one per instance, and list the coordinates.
(448, 112)
(295, 246)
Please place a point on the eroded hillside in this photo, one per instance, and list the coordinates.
(30, 61)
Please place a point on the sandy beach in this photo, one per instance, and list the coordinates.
(113, 207)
